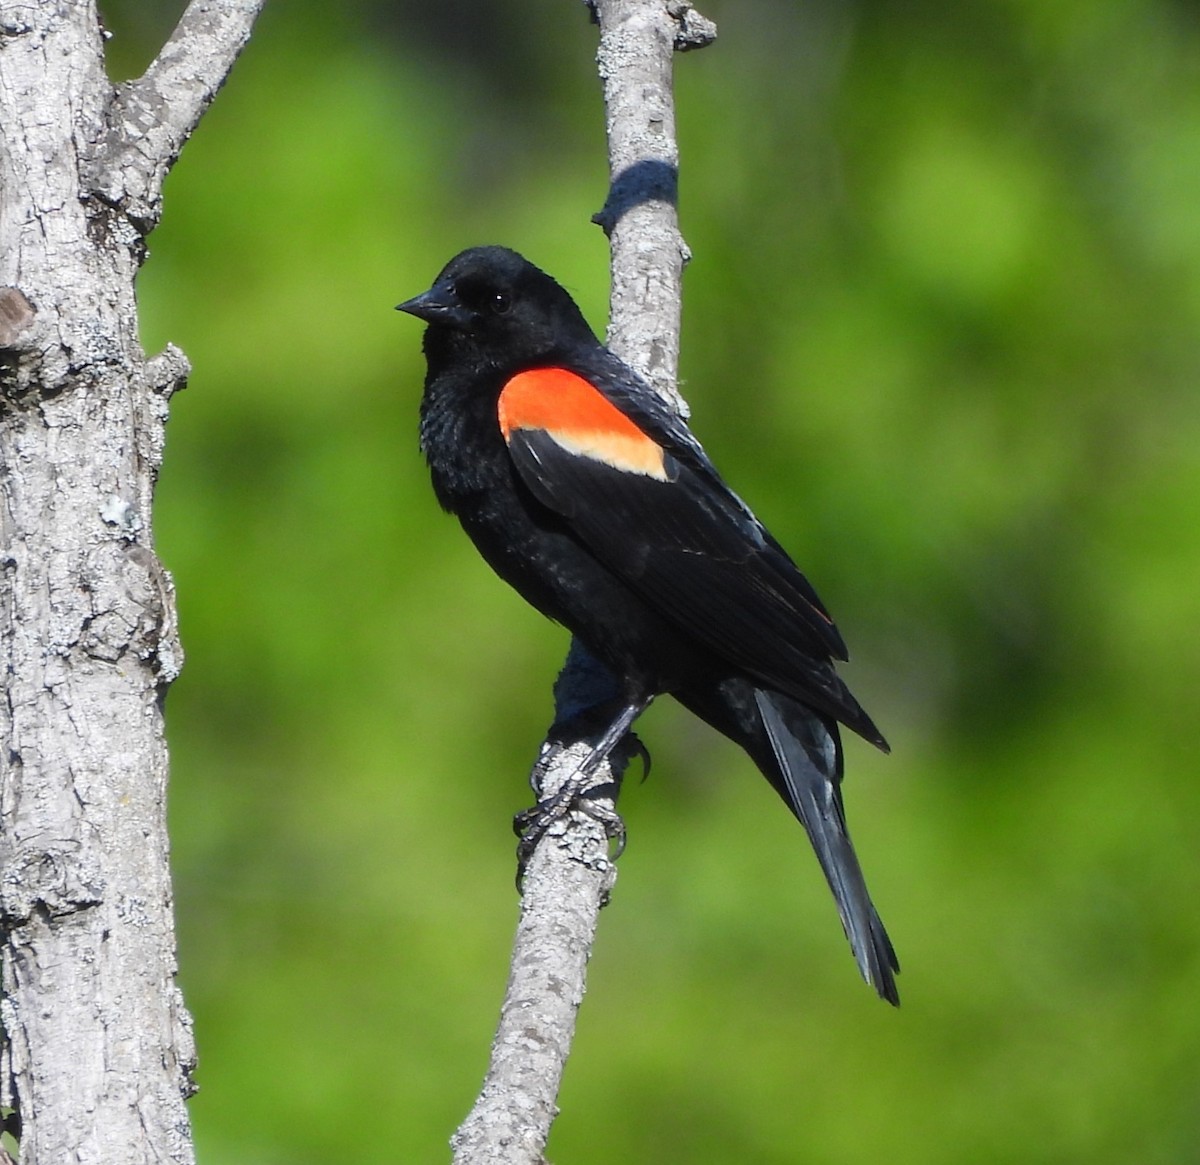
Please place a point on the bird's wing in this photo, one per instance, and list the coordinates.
(653, 510)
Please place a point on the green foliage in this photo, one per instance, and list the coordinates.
(940, 331)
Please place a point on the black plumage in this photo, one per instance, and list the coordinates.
(586, 493)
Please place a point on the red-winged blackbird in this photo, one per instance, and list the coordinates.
(586, 493)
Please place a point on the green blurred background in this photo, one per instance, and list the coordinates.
(942, 331)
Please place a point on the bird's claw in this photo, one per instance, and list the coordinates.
(531, 825)
(638, 749)
(610, 819)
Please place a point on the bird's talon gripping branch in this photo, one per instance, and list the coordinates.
(613, 822)
(532, 824)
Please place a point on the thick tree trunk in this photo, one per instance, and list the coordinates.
(97, 1050)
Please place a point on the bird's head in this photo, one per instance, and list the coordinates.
(496, 302)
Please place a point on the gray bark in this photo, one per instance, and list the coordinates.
(571, 874)
(97, 1049)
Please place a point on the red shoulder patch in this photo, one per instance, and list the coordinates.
(580, 418)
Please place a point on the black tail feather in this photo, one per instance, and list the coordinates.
(808, 753)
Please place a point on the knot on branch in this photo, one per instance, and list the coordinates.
(21, 355)
(692, 31)
(168, 372)
(650, 180)
(16, 316)
(52, 880)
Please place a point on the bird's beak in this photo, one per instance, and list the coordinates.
(438, 305)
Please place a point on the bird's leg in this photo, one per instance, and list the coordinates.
(531, 825)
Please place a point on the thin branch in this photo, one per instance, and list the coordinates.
(568, 881)
(637, 40)
(151, 118)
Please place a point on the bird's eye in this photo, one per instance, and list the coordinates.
(500, 304)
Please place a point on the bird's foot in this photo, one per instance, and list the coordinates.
(531, 825)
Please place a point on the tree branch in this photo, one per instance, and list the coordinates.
(567, 882)
(637, 40)
(151, 118)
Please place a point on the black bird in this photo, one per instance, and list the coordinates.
(586, 493)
